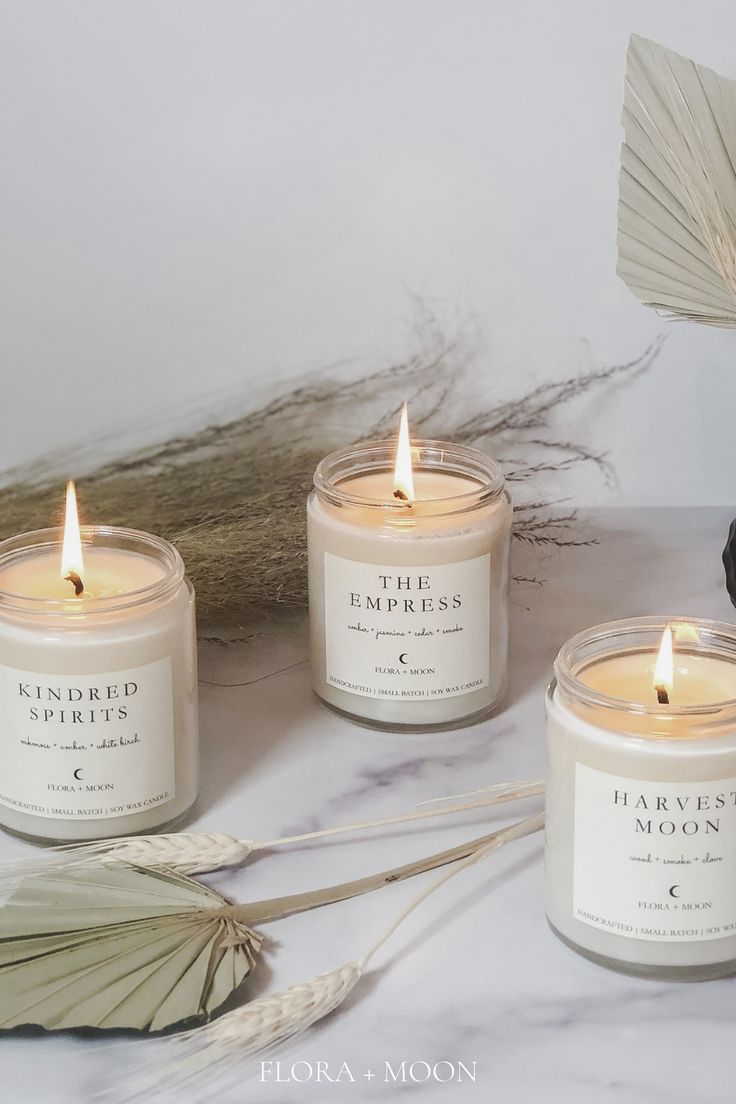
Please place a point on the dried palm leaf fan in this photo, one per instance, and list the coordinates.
(186, 1065)
(677, 198)
(127, 947)
(122, 946)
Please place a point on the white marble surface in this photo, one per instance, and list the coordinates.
(475, 975)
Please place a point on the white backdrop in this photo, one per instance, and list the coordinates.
(196, 195)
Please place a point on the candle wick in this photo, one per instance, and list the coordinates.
(72, 577)
(402, 495)
(663, 697)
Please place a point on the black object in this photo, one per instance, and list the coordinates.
(729, 562)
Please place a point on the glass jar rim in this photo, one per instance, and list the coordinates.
(427, 455)
(709, 637)
(111, 537)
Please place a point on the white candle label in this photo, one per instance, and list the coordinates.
(655, 860)
(407, 633)
(79, 747)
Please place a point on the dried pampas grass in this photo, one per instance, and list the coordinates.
(232, 496)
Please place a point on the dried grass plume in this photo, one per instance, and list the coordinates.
(232, 496)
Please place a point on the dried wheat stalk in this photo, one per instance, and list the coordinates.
(201, 852)
(192, 1062)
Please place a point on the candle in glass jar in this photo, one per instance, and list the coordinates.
(641, 797)
(408, 583)
(98, 688)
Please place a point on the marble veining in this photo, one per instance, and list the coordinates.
(475, 976)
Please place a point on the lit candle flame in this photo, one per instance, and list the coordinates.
(403, 471)
(664, 668)
(72, 560)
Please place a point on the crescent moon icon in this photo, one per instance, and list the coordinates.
(401, 658)
(672, 891)
(78, 774)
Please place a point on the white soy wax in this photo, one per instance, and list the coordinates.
(641, 798)
(98, 689)
(409, 595)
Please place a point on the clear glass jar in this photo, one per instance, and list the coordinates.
(641, 799)
(98, 693)
(409, 600)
